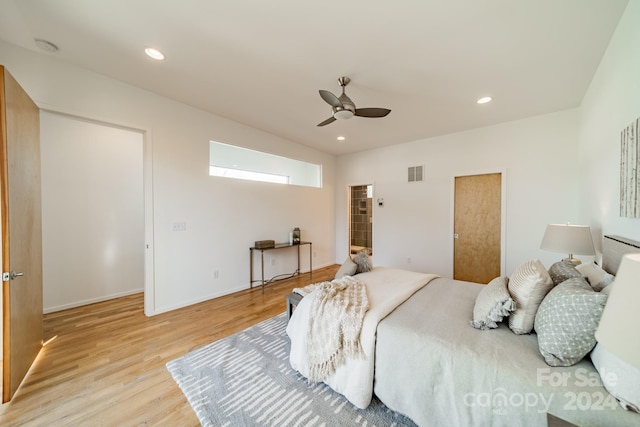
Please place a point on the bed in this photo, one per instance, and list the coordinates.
(423, 359)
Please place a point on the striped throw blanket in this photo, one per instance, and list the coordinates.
(335, 322)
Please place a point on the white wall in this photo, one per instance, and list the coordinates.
(92, 212)
(559, 167)
(610, 105)
(224, 217)
(539, 162)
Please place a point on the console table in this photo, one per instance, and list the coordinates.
(276, 247)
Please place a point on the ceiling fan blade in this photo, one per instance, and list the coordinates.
(330, 98)
(372, 112)
(326, 122)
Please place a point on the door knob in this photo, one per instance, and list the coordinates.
(15, 274)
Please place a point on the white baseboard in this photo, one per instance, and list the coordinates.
(219, 294)
(90, 301)
(160, 310)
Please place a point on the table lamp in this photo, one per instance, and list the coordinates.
(569, 239)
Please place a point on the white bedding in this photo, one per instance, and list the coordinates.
(453, 374)
(386, 289)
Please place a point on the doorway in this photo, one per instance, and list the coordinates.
(361, 219)
(93, 211)
(477, 248)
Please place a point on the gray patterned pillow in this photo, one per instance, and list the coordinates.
(493, 303)
(563, 270)
(566, 322)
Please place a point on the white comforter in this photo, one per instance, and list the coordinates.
(386, 289)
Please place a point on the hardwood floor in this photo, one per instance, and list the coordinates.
(105, 363)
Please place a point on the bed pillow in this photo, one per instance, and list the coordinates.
(563, 270)
(618, 377)
(567, 321)
(598, 278)
(363, 262)
(528, 286)
(607, 289)
(493, 303)
(348, 268)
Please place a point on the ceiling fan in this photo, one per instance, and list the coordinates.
(343, 107)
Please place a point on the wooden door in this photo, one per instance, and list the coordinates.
(477, 227)
(21, 232)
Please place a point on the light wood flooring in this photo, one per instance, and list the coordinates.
(105, 362)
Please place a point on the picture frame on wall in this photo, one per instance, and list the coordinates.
(629, 165)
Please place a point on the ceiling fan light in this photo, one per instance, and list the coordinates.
(343, 114)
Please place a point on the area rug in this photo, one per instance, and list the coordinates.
(246, 380)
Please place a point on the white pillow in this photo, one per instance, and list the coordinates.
(618, 377)
(493, 303)
(528, 286)
(348, 268)
(598, 278)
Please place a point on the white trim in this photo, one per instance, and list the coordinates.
(149, 251)
(91, 301)
(503, 215)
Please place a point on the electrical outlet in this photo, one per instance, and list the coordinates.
(179, 226)
(408, 260)
(216, 274)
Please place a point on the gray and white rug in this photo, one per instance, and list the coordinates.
(246, 380)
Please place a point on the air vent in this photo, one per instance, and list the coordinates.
(415, 174)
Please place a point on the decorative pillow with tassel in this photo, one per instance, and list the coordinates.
(493, 304)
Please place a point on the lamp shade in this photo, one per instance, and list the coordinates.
(618, 327)
(568, 239)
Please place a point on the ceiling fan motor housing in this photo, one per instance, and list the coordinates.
(347, 110)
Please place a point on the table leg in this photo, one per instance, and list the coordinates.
(250, 268)
(262, 267)
(310, 260)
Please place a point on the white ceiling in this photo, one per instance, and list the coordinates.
(261, 63)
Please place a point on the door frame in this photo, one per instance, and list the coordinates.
(503, 213)
(147, 185)
(349, 186)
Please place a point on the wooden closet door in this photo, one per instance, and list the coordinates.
(21, 232)
(477, 227)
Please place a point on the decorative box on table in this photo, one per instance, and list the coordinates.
(264, 244)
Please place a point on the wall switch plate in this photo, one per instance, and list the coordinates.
(179, 226)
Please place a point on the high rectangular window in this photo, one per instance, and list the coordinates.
(230, 161)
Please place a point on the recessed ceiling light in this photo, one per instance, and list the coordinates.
(154, 53)
(484, 100)
(47, 46)
(341, 138)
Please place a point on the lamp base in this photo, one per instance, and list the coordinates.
(574, 261)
